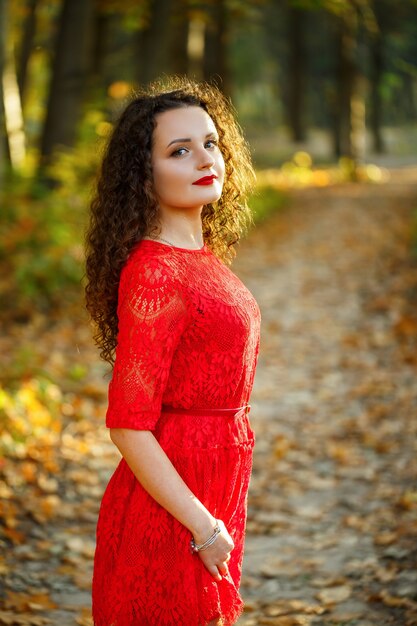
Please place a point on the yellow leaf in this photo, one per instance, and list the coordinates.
(334, 595)
(408, 500)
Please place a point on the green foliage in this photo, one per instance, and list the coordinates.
(78, 372)
(39, 253)
(266, 200)
(42, 231)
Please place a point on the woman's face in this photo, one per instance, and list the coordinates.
(188, 167)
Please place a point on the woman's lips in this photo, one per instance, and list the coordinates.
(206, 180)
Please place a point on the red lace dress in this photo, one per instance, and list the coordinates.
(188, 338)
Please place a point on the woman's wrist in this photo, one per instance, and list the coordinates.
(203, 528)
(203, 546)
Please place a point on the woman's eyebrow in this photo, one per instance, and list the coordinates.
(188, 139)
(181, 140)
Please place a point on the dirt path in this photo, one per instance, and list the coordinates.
(333, 504)
(333, 520)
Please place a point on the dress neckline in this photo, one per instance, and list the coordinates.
(166, 245)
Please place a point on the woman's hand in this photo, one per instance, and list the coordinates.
(154, 470)
(217, 556)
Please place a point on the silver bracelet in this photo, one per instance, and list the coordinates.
(198, 548)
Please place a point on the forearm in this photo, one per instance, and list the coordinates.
(158, 476)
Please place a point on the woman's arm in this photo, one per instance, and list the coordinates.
(158, 476)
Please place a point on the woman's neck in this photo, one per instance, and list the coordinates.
(181, 229)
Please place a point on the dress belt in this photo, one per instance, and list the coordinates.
(209, 412)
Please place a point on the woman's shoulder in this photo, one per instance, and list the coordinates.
(149, 264)
(147, 249)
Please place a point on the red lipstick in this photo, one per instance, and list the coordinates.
(206, 180)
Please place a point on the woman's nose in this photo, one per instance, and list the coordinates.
(206, 160)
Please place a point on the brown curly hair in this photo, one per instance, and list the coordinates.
(124, 208)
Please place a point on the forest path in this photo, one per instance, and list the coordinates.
(333, 502)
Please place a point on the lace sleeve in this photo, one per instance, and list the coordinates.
(152, 316)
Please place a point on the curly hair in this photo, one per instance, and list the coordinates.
(124, 208)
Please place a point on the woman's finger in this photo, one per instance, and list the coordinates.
(214, 571)
(223, 569)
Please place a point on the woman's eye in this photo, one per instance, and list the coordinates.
(179, 152)
(211, 143)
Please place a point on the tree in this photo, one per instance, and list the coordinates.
(215, 64)
(11, 118)
(162, 40)
(348, 103)
(154, 41)
(377, 60)
(297, 71)
(26, 46)
(346, 76)
(180, 23)
(70, 69)
(181, 38)
(3, 135)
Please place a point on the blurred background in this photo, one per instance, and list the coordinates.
(326, 93)
(334, 81)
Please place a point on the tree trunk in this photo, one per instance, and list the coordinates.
(376, 84)
(26, 46)
(216, 52)
(69, 73)
(101, 38)
(14, 144)
(179, 37)
(108, 48)
(297, 73)
(154, 42)
(3, 134)
(409, 97)
(345, 82)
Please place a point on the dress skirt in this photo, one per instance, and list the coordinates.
(144, 571)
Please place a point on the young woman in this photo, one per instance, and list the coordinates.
(170, 205)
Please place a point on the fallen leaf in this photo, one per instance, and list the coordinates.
(334, 595)
(385, 539)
